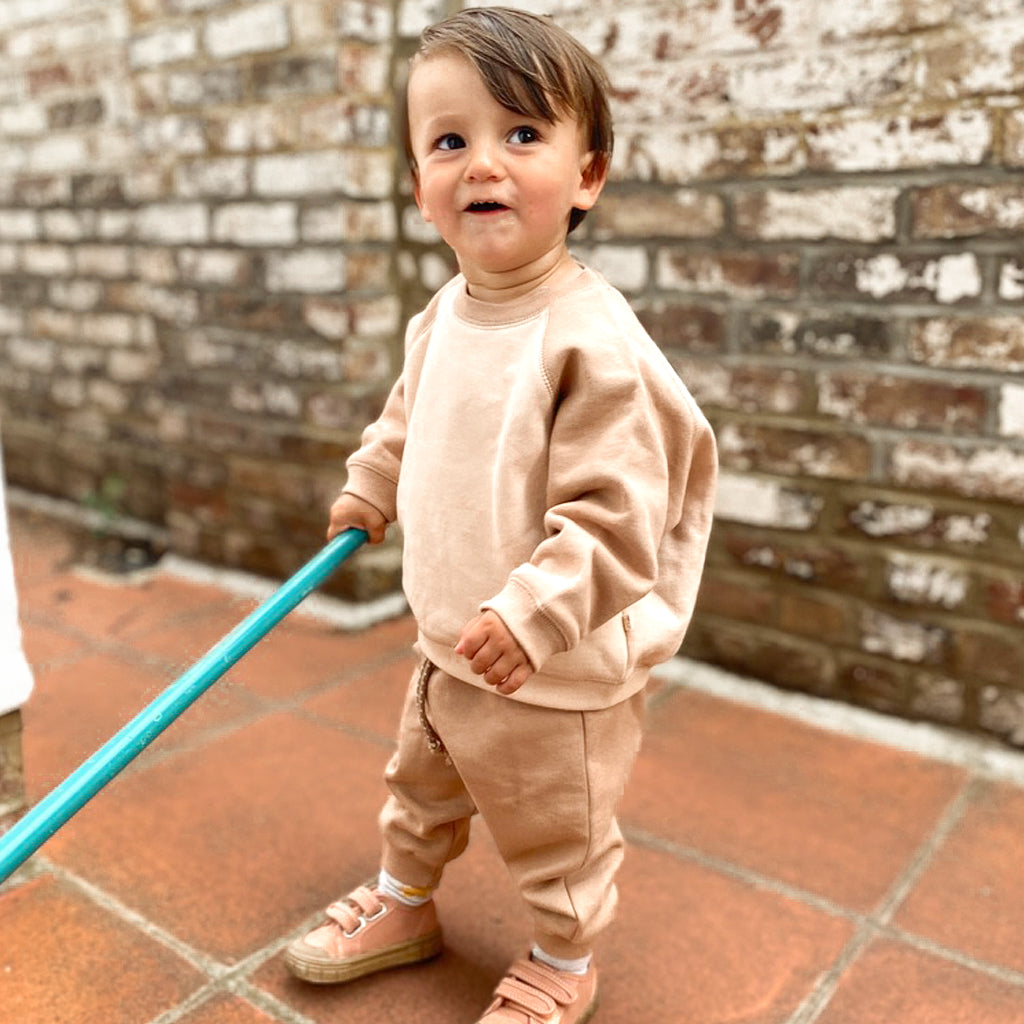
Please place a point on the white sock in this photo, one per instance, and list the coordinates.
(410, 895)
(579, 966)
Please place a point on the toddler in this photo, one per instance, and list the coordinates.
(554, 481)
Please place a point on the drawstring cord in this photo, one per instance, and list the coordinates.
(434, 741)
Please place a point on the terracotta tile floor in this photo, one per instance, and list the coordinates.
(776, 872)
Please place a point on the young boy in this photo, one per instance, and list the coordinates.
(554, 481)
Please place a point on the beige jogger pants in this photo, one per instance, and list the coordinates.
(545, 781)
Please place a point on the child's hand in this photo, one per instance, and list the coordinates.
(350, 512)
(492, 652)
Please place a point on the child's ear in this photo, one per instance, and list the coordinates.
(593, 175)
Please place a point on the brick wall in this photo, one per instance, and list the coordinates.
(207, 250)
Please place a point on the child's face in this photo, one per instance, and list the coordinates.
(498, 186)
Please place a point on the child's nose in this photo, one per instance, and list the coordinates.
(484, 163)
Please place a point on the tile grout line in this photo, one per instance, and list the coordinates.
(220, 977)
(879, 920)
(1004, 974)
(737, 872)
(212, 968)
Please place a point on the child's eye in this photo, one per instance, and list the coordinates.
(450, 141)
(524, 135)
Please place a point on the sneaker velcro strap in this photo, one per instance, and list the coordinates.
(535, 987)
(357, 906)
(524, 997)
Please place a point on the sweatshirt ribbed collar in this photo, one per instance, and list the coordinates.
(502, 314)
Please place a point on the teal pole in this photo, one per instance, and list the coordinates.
(54, 810)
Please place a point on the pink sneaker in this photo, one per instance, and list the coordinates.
(533, 993)
(365, 932)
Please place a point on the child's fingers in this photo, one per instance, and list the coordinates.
(515, 680)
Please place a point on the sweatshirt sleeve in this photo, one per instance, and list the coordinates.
(373, 470)
(623, 442)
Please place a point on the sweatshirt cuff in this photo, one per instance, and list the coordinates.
(371, 486)
(535, 633)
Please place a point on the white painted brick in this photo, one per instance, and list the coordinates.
(995, 64)
(625, 266)
(258, 28)
(68, 391)
(58, 153)
(949, 278)
(213, 266)
(24, 119)
(993, 472)
(19, 225)
(47, 260)
(309, 270)
(255, 399)
(329, 318)
(364, 174)
(1011, 280)
(256, 224)
(11, 320)
(415, 15)
(757, 502)
(103, 260)
(109, 396)
(110, 329)
(172, 133)
(1011, 410)
(365, 19)
(919, 580)
(843, 20)
(58, 324)
(68, 225)
(114, 224)
(226, 177)
(32, 354)
(820, 80)
(77, 295)
(866, 214)
(172, 223)
(899, 639)
(255, 131)
(165, 46)
(21, 12)
(874, 143)
(294, 359)
(416, 229)
(299, 174)
(131, 366)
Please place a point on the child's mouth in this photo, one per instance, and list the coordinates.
(486, 207)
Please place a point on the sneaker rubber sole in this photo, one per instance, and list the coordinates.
(310, 964)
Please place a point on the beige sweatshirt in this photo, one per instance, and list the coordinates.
(545, 461)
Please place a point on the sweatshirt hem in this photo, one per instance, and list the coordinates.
(546, 691)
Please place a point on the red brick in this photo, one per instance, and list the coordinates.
(903, 403)
(959, 211)
(794, 452)
(742, 274)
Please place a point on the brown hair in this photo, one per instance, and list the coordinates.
(530, 66)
